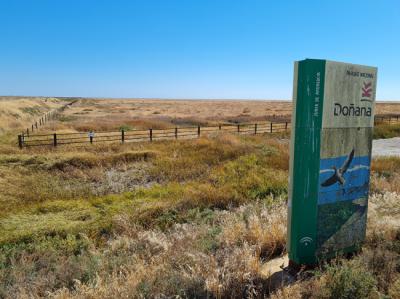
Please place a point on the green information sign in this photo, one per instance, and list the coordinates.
(330, 155)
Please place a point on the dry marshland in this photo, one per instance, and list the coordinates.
(182, 219)
(17, 113)
(112, 114)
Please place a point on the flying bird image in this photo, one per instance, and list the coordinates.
(338, 174)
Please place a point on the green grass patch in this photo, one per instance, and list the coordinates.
(31, 110)
(93, 217)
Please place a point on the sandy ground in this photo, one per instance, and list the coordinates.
(386, 147)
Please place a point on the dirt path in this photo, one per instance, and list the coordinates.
(386, 147)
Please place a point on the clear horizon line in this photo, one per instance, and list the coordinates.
(167, 98)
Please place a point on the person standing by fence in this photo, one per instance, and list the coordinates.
(91, 136)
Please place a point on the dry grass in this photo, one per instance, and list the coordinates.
(182, 219)
(386, 175)
(57, 208)
(112, 114)
(19, 113)
(382, 131)
(373, 273)
(193, 261)
(187, 218)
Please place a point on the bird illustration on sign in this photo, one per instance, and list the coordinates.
(338, 173)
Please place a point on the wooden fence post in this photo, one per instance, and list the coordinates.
(40, 121)
(286, 126)
(271, 127)
(219, 126)
(198, 131)
(20, 141)
(176, 133)
(27, 132)
(238, 128)
(255, 129)
(151, 134)
(36, 125)
(122, 136)
(55, 139)
(32, 127)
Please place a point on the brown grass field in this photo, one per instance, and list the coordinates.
(17, 113)
(170, 219)
(112, 114)
(142, 113)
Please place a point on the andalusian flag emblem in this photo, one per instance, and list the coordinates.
(367, 90)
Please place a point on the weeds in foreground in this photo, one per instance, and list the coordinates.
(189, 219)
(373, 273)
(207, 257)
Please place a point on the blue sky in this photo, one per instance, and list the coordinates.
(189, 49)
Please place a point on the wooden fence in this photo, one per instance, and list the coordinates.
(51, 115)
(387, 119)
(57, 139)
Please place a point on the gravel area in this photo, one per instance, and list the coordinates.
(386, 147)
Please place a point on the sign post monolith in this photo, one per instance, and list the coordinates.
(333, 118)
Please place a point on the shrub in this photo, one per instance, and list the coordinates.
(185, 161)
(383, 264)
(249, 178)
(85, 160)
(126, 128)
(346, 280)
(51, 262)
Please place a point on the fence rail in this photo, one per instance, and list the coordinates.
(57, 139)
(190, 132)
(387, 118)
